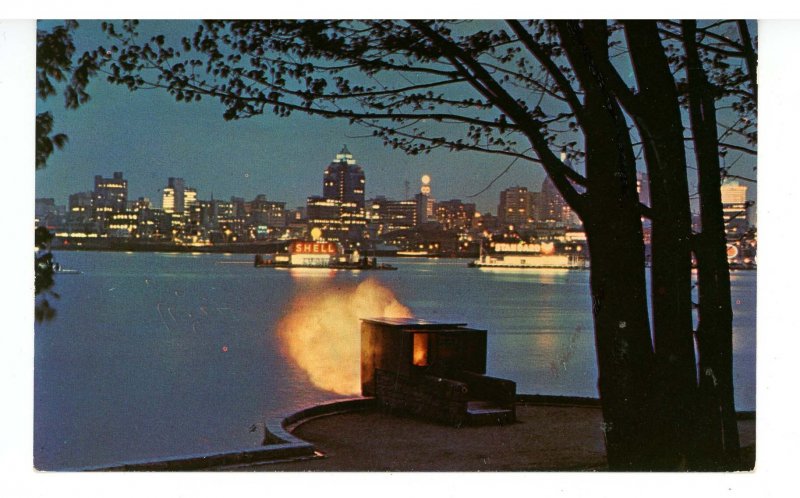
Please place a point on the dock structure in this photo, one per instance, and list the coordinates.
(433, 370)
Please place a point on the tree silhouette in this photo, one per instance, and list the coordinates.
(54, 67)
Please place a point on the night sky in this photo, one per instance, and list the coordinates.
(150, 137)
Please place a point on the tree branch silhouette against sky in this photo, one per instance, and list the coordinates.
(121, 131)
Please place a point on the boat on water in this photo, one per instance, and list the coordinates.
(59, 270)
(525, 255)
(319, 255)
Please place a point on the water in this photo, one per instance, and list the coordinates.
(154, 355)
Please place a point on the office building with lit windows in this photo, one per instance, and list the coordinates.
(734, 209)
(455, 214)
(110, 195)
(325, 214)
(344, 180)
(343, 191)
(515, 207)
(177, 197)
(266, 213)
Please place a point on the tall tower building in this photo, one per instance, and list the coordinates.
(344, 180)
(340, 213)
(110, 195)
(425, 203)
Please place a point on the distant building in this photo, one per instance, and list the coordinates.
(176, 197)
(151, 223)
(296, 215)
(485, 223)
(239, 207)
(79, 208)
(455, 214)
(553, 209)
(734, 209)
(325, 214)
(344, 180)
(123, 224)
(399, 215)
(189, 199)
(139, 204)
(425, 202)
(340, 213)
(515, 207)
(266, 213)
(79, 216)
(47, 213)
(110, 195)
(45, 206)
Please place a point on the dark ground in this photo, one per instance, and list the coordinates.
(545, 438)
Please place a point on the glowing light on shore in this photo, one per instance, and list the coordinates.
(321, 333)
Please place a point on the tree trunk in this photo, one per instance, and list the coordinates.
(622, 340)
(715, 316)
(658, 120)
(626, 366)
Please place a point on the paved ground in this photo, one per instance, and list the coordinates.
(545, 438)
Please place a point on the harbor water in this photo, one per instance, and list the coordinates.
(156, 355)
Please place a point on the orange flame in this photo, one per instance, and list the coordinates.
(322, 333)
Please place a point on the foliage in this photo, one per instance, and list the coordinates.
(54, 67)
(43, 275)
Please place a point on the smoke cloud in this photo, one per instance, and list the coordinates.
(322, 333)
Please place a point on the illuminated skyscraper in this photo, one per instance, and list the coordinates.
(344, 180)
(342, 189)
(110, 195)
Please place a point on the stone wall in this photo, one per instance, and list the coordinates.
(423, 396)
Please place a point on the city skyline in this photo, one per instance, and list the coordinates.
(166, 191)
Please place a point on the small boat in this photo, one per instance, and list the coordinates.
(319, 255)
(58, 269)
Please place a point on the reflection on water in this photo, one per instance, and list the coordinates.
(161, 354)
(542, 275)
(298, 273)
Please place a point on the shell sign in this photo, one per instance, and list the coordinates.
(314, 248)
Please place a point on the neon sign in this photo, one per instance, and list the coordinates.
(314, 248)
